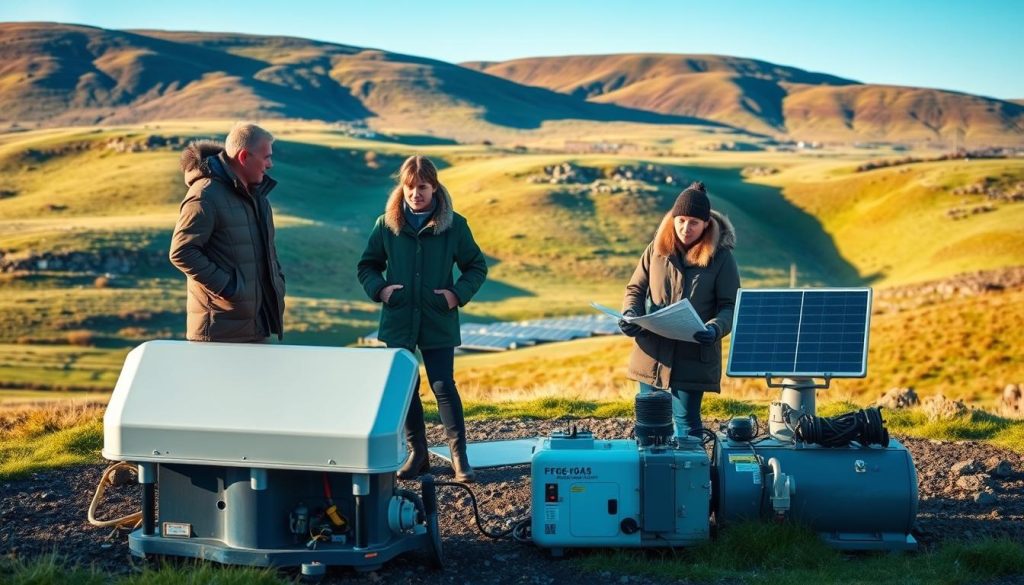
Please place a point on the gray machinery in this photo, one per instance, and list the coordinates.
(841, 476)
(270, 455)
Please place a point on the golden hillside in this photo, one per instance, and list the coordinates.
(57, 74)
(761, 97)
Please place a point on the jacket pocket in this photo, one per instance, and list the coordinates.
(222, 304)
(707, 351)
(436, 301)
(397, 299)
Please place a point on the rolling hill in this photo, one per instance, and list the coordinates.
(58, 74)
(763, 97)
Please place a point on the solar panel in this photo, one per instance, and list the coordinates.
(513, 335)
(811, 333)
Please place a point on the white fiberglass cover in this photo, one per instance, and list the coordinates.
(255, 405)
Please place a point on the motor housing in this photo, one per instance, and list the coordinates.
(617, 493)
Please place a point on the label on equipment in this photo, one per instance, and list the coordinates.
(578, 489)
(550, 514)
(738, 458)
(177, 529)
(748, 467)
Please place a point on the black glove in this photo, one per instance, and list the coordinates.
(629, 329)
(708, 336)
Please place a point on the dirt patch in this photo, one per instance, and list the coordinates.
(46, 512)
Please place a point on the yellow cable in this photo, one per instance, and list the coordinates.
(123, 522)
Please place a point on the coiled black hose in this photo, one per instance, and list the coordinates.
(864, 426)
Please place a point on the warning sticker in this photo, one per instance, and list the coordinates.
(578, 489)
(743, 458)
(177, 529)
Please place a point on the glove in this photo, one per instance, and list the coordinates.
(629, 329)
(708, 336)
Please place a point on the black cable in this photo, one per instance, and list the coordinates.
(519, 530)
(864, 426)
(712, 437)
(761, 466)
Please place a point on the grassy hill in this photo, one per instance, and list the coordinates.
(68, 74)
(60, 74)
(553, 247)
(763, 97)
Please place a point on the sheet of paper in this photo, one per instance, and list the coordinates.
(677, 321)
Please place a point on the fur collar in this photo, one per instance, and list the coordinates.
(722, 235)
(394, 217)
(195, 159)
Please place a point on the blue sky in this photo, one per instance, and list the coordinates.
(973, 47)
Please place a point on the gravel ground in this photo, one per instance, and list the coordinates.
(967, 490)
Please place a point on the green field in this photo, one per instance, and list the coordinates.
(552, 248)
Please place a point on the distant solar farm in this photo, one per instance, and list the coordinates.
(506, 336)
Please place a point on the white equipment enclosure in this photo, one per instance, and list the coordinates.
(270, 454)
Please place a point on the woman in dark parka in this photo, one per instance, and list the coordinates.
(407, 266)
(690, 257)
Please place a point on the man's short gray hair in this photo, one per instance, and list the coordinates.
(245, 136)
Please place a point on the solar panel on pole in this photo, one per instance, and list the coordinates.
(809, 333)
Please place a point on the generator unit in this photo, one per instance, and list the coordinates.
(621, 493)
(270, 455)
(842, 476)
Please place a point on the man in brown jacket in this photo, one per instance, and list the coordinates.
(224, 240)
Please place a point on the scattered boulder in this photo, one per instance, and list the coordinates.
(968, 467)
(758, 171)
(1010, 404)
(985, 498)
(897, 398)
(938, 407)
(997, 467)
(974, 482)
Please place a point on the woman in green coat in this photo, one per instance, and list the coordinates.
(690, 258)
(407, 266)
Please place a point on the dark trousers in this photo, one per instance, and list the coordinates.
(440, 366)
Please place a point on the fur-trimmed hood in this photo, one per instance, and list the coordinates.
(205, 159)
(195, 160)
(723, 235)
(394, 217)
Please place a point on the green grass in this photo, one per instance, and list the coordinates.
(758, 553)
(752, 553)
(35, 439)
(53, 570)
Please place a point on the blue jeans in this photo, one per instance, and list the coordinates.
(685, 410)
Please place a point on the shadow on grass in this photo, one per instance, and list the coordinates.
(772, 232)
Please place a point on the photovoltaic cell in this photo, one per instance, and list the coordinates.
(800, 332)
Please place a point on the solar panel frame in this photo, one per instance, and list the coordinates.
(779, 308)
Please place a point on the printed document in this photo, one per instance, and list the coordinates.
(677, 321)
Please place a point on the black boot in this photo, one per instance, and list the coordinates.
(460, 462)
(449, 407)
(418, 462)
